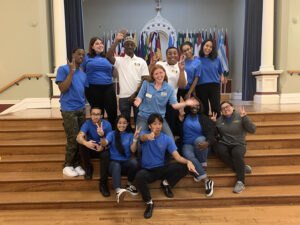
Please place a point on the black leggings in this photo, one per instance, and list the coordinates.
(103, 96)
(211, 92)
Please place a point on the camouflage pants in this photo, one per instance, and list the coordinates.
(73, 120)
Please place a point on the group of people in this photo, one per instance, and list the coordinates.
(170, 101)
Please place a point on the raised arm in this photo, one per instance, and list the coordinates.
(65, 85)
(136, 135)
(182, 74)
(110, 52)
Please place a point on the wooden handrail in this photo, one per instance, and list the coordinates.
(293, 71)
(16, 81)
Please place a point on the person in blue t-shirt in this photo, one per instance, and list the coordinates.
(208, 87)
(193, 70)
(122, 144)
(89, 137)
(71, 82)
(99, 71)
(198, 134)
(154, 146)
(154, 96)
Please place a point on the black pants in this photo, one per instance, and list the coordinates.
(211, 92)
(232, 156)
(181, 93)
(172, 172)
(87, 154)
(103, 96)
(173, 120)
(125, 109)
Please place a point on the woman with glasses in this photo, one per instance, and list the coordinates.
(232, 127)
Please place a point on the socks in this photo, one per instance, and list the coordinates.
(150, 202)
(165, 182)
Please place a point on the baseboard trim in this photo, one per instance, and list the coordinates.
(289, 98)
(29, 103)
(9, 102)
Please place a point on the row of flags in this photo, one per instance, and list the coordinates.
(149, 44)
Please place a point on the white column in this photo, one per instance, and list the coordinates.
(267, 77)
(267, 38)
(60, 47)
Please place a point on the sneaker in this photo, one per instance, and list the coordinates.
(121, 194)
(69, 171)
(79, 170)
(209, 187)
(248, 169)
(197, 179)
(239, 187)
(103, 188)
(131, 189)
(149, 210)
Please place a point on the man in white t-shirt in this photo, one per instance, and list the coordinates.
(177, 78)
(131, 70)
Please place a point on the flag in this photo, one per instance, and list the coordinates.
(222, 54)
(227, 53)
(198, 45)
(170, 41)
(142, 46)
(136, 45)
(158, 47)
(108, 43)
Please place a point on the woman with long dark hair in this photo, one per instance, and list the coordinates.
(99, 70)
(122, 144)
(208, 87)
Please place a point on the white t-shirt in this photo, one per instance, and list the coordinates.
(173, 74)
(130, 72)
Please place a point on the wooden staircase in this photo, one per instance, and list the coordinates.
(32, 154)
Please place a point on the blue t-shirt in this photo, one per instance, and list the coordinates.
(153, 152)
(126, 140)
(73, 99)
(210, 70)
(98, 70)
(191, 129)
(90, 130)
(192, 69)
(155, 101)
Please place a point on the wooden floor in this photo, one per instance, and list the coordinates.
(241, 215)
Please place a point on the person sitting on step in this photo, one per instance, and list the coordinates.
(198, 133)
(154, 145)
(89, 137)
(232, 127)
(122, 144)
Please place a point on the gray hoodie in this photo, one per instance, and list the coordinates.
(233, 131)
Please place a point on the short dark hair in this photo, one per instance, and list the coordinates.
(75, 49)
(186, 43)
(213, 53)
(153, 117)
(201, 110)
(95, 107)
(172, 47)
(226, 101)
(92, 52)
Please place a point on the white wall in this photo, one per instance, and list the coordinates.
(111, 15)
(25, 46)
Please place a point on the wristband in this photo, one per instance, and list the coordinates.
(73, 69)
(135, 140)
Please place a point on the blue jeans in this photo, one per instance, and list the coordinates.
(118, 168)
(196, 156)
(142, 122)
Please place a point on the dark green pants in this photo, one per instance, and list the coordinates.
(73, 120)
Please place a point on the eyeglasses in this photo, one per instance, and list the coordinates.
(225, 107)
(96, 114)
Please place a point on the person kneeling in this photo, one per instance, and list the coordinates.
(154, 146)
(122, 143)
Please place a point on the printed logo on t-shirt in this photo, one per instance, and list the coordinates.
(137, 64)
(236, 121)
(174, 71)
(148, 95)
(164, 94)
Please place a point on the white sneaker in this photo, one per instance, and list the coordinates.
(69, 171)
(80, 171)
(121, 194)
(239, 187)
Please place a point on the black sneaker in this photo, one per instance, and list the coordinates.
(104, 190)
(209, 187)
(132, 189)
(148, 211)
(167, 190)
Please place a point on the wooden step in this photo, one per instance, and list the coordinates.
(223, 177)
(273, 141)
(274, 116)
(185, 197)
(277, 127)
(54, 162)
(30, 124)
(32, 149)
